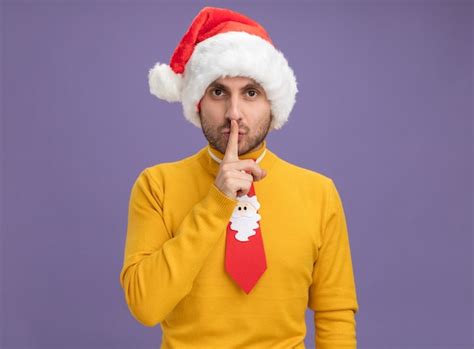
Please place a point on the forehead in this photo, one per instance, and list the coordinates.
(235, 81)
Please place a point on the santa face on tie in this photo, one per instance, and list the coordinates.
(245, 217)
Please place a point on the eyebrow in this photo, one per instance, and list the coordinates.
(223, 87)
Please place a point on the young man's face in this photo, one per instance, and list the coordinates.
(238, 98)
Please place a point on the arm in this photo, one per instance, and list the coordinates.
(159, 269)
(332, 294)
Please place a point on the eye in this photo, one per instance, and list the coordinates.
(253, 93)
(217, 94)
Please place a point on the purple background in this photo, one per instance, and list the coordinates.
(384, 108)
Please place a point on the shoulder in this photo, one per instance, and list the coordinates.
(304, 174)
(307, 183)
(159, 172)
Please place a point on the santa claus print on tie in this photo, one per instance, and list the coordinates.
(245, 217)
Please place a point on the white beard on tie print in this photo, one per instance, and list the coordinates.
(245, 217)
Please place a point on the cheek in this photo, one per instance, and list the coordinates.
(212, 112)
(258, 112)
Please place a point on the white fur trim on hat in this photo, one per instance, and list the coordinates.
(164, 83)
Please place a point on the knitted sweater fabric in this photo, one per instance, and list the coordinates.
(173, 267)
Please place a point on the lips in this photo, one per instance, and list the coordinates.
(226, 133)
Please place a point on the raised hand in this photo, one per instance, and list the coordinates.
(235, 176)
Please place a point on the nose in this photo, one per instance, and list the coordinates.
(233, 109)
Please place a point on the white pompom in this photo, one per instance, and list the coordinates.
(164, 83)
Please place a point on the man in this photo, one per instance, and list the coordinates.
(228, 247)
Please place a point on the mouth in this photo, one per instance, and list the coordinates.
(228, 133)
(240, 136)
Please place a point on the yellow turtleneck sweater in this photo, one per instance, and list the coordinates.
(173, 271)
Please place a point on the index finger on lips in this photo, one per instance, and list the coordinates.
(232, 149)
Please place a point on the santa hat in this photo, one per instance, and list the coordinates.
(221, 42)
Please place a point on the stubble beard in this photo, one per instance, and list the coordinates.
(219, 141)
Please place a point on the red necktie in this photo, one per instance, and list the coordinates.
(245, 258)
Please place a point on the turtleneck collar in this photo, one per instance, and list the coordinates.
(210, 157)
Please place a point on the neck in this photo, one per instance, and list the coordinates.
(211, 158)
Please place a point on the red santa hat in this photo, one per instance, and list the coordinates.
(221, 42)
